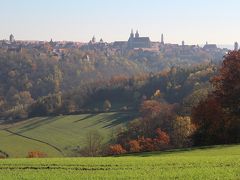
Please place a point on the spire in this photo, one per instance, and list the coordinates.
(236, 46)
(93, 39)
(11, 38)
(137, 34)
(162, 39)
(132, 35)
(183, 43)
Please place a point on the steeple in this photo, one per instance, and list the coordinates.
(137, 34)
(162, 39)
(236, 46)
(11, 38)
(132, 35)
(183, 43)
(93, 39)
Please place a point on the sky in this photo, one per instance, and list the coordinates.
(194, 21)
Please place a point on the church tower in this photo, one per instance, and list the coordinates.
(131, 35)
(236, 46)
(137, 34)
(11, 39)
(93, 39)
(162, 39)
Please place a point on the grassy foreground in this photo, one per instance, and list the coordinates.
(220, 162)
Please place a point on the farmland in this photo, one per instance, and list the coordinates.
(218, 162)
(57, 136)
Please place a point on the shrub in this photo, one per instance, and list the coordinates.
(36, 154)
(116, 149)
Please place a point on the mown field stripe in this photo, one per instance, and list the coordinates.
(30, 138)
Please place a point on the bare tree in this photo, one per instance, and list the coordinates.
(93, 144)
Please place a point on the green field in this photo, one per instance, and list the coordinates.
(219, 162)
(57, 136)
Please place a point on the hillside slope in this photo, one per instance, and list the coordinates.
(57, 136)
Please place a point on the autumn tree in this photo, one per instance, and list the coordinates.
(162, 138)
(116, 149)
(156, 115)
(217, 118)
(211, 122)
(134, 146)
(183, 128)
(227, 83)
(227, 91)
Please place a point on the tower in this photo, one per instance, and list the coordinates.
(137, 34)
(51, 42)
(132, 35)
(162, 39)
(236, 46)
(183, 43)
(11, 38)
(93, 39)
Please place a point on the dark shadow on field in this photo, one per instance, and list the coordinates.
(38, 123)
(118, 118)
(114, 119)
(86, 117)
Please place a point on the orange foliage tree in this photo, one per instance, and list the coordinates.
(134, 146)
(162, 137)
(116, 149)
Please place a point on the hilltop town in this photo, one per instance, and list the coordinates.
(135, 42)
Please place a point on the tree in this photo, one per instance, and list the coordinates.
(150, 108)
(116, 149)
(227, 91)
(93, 144)
(107, 105)
(134, 146)
(183, 128)
(227, 83)
(217, 118)
(210, 121)
(162, 137)
(146, 144)
(156, 114)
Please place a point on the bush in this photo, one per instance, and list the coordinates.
(36, 154)
(116, 149)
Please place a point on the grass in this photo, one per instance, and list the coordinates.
(62, 132)
(218, 162)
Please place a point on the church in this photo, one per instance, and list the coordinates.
(138, 42)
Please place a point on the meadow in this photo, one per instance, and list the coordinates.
(218, 162)
(57, 136)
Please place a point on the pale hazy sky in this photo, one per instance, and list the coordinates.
(195, 21)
